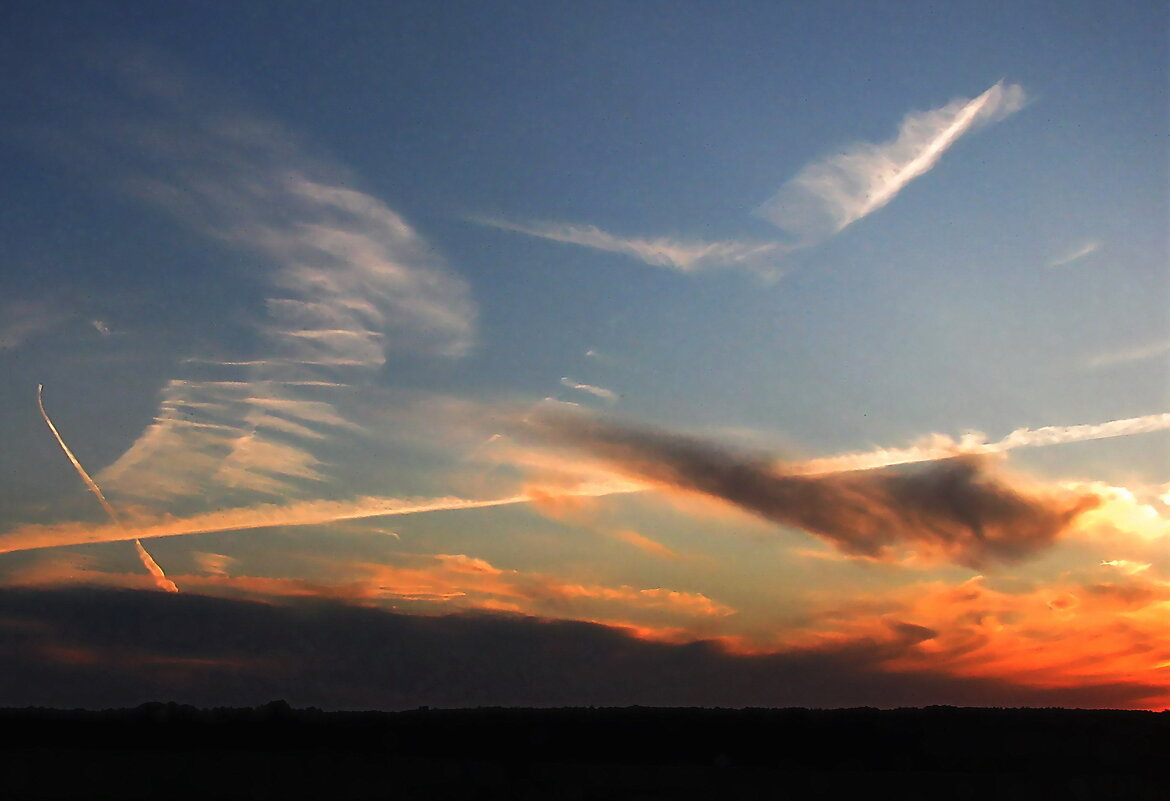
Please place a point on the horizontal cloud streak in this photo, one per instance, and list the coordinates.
(1133, 355)
(685, 257)
(597, 392)
(1078, 253)
(940, 446)
(828, 195)
(952, 508)
(306, 513)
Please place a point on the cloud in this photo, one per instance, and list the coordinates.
(685, 257)
(597, 392)
(823, 198)
(953, 508)
(21, 320)
(643, 543)
(941, 446)
(430, 584)
(1080, 251)
(348, 284)
(458, 581)
(828, 195)
(81, 647)
(304, 513)
(1131, 355)
(1062, 634)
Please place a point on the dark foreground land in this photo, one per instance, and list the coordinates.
(170, 751)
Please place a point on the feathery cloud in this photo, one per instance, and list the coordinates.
(1082, 250)
(941, 446)
(597, 392)
(1131, 355)
(349, 282)
(828, 195)
(823, 198)
(684, 256)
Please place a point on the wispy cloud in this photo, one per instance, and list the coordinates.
(942, 446)
(21, 320)
(823, 198)
(304, 513)
(597, 392)
(349, 282)
(643, 543)
(1080, 251)
(828, 195)
(1131, 355)
(684, 256)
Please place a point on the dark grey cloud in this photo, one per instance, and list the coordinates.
(953, 506)
(96, 648)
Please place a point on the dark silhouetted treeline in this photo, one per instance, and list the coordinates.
(168, 750)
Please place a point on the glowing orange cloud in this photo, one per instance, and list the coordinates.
(438, 583)
(652, 547)
(1108, 629)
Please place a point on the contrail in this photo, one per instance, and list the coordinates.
(160, 578)
(305, 513)
(941, 447)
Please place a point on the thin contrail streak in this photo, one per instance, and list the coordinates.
(305, 513)
(324, 512)
(152, 567)
(1020, 438)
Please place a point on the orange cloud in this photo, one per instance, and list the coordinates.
(645, 544)
(439, 583)
(1070, 634)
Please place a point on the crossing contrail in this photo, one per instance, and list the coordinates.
(152, 567)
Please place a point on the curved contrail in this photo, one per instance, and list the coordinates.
(160, 578)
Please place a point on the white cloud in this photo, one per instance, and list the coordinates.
(685, 257)
(828, 195)
(597, 392)
(825, 197)
(941, 446)
(1080, 251)
(349, 283)
(1131, 355)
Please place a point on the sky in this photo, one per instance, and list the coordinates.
(375, 355)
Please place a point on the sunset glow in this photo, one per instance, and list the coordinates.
(800, 340)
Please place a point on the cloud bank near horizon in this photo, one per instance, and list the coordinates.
(103, 648)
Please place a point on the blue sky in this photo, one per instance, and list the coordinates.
(270, 257)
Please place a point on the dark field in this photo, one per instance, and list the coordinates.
(169, 751)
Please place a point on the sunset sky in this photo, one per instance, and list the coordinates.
(585, 353)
